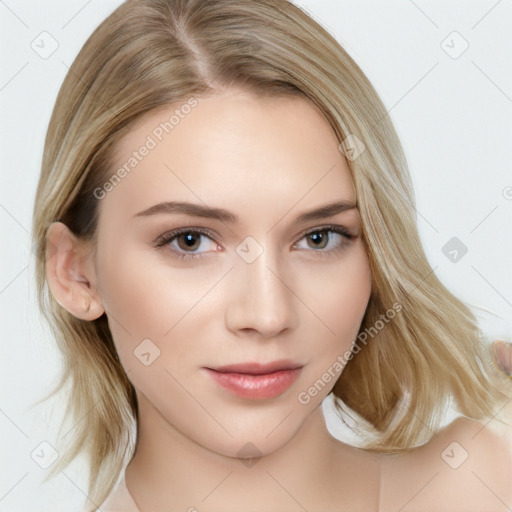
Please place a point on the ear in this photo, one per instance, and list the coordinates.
(502, 355)
(70, 273)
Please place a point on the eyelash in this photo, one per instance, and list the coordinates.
(168, 237)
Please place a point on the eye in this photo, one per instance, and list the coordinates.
(326, 239)
(184, 242)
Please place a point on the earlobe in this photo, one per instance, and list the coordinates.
(68, 274)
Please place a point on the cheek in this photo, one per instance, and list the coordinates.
(341, 292)
(140, 301)
(147, 299)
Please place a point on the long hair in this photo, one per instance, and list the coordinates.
(151, 53)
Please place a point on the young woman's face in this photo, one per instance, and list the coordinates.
(210, 254)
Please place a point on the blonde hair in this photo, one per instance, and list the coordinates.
(151, 53)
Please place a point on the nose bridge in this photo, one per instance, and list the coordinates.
(262, 300)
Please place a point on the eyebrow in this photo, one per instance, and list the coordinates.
(198, 210)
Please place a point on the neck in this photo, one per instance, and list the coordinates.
(171, 472)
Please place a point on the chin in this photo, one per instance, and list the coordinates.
(250, 441)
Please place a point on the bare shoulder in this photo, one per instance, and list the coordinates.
(467, 466)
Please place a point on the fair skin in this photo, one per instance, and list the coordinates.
(267, 161)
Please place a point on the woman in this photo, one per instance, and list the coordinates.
(226, 234)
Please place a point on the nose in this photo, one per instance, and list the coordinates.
(261, 299)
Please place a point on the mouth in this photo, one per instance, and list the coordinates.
(256, 381)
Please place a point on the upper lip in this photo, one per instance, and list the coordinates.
(254, 368)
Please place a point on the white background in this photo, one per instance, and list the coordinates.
(454, 118)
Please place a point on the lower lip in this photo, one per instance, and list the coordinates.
(256, 387)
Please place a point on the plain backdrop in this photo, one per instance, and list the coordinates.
(443, 70)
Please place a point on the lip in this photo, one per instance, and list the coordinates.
(256, 381)
(255, 368)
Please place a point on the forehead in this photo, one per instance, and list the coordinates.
(231, 148)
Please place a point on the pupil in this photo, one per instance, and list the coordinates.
(318, 239)
(190, 240)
